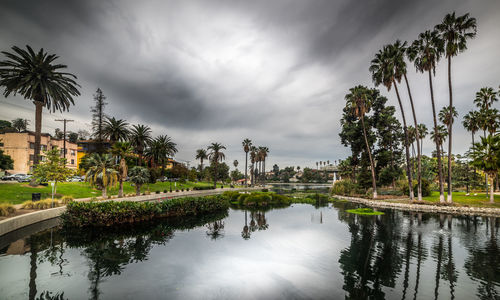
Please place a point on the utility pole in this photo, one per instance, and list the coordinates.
(64, 134)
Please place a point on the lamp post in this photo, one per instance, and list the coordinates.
(52, 185)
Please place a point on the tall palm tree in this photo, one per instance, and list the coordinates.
(485, 98)
(425, 53)
(216, 155)
(447, 117)
(385, 71)
(422, 132)
(201, 154)
(116, 130)
(454, 31)
(122, 150)
(359, 100)
(439, 136)
(37, 77)
(485, 156)
(253, 159)
(265, 153)
(101, 171)
(246, 147)
(139, 137)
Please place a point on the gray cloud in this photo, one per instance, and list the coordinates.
(272, 71)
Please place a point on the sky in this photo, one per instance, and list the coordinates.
(275, 72)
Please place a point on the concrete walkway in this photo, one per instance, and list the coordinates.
(20, 221)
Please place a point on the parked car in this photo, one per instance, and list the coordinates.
(24, 178)
(14, 177)
(76, 179)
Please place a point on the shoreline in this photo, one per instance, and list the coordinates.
(455, 210)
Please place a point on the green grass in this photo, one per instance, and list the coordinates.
(365, 212)
(16, 193)
(480, 200)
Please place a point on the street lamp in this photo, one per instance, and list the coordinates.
(52, 185)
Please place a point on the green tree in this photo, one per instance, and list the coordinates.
(486, 156)
(246, 148)
(471, 123)
(6, 162)
(201, 154)
(116, 130)
(101, 172)
(98, 118)
(54, 169)
(359, 100)
(140, 137)
(454, 31)
(37, 77)
(5, 125)
(20, 124)
(122, 150)
(425, 53)
(73, 137)
(216, 155)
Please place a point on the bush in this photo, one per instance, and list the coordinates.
(108, 213)
(157, 192)
(164, 191)
(265, 190)
(67, 199)
(231, 195)
(6, 209)
(204, 187)
(42, 204)
(257, 199)
(345, 188)
(426, 187)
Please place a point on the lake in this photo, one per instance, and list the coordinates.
(299, 252)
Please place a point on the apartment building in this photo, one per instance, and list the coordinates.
(20, 146)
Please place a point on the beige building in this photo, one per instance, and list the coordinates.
(20, 146)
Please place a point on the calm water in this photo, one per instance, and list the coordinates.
(291, 253)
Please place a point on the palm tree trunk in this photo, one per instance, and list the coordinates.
(407, 146)
(246, 168)
(419, 149)
(120, 190)
(38, 131)
(492, 186)
(104, 192)
(438, 150)
(372, 165)
(33, 268)
(264, 171)
(450, 131)
(215, 174)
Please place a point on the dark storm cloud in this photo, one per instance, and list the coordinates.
(273, 71)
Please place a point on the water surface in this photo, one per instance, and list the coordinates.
(300, 252)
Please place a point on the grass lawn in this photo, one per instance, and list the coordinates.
(479, 200)
(16, 193)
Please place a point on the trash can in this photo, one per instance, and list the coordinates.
(36, 196)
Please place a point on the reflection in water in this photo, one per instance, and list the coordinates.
(398, 255)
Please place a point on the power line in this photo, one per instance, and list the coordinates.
(64, 133)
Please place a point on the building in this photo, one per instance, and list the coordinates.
(90, 146)
(20, 146)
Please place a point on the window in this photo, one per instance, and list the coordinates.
(44, 158)
(43, 147)
(72, 161)
(1, 144)
(61, 151)
(32, 157)
(72, 152)
(32, 145)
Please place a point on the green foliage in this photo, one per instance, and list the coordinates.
(6, 162)
(345, 187)
(6, 209)
(82, 214)
(54, 169)
(365, 211)
(203, 187)
(257, 199)
(139, 176)
(426, 187)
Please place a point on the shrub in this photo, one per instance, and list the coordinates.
(108, 213)
(345, 187)
(67, 199)
(6, 209)
(426, 187)
(164, 191)
(204, 187)
(231, 195)
(42, 204)
(157, 192)
(264, 190)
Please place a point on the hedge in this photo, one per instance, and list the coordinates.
(109, 213)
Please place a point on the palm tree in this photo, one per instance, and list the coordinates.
(425, 52)
(215, 156)
(139, 175)
(20, 124)
(201, 154)
(422, 132)
(166, 149)
(265, 152)
(471, 123)
(116, 130)
(454, 31)
(253, 158)
(446, 117)
(246, 147)
(485, 156)
(139, 137)
(37, 77)
(359, 100)
(439, 136)
(485, 98)
(386, 70)
(101, 171)
(122, 150)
